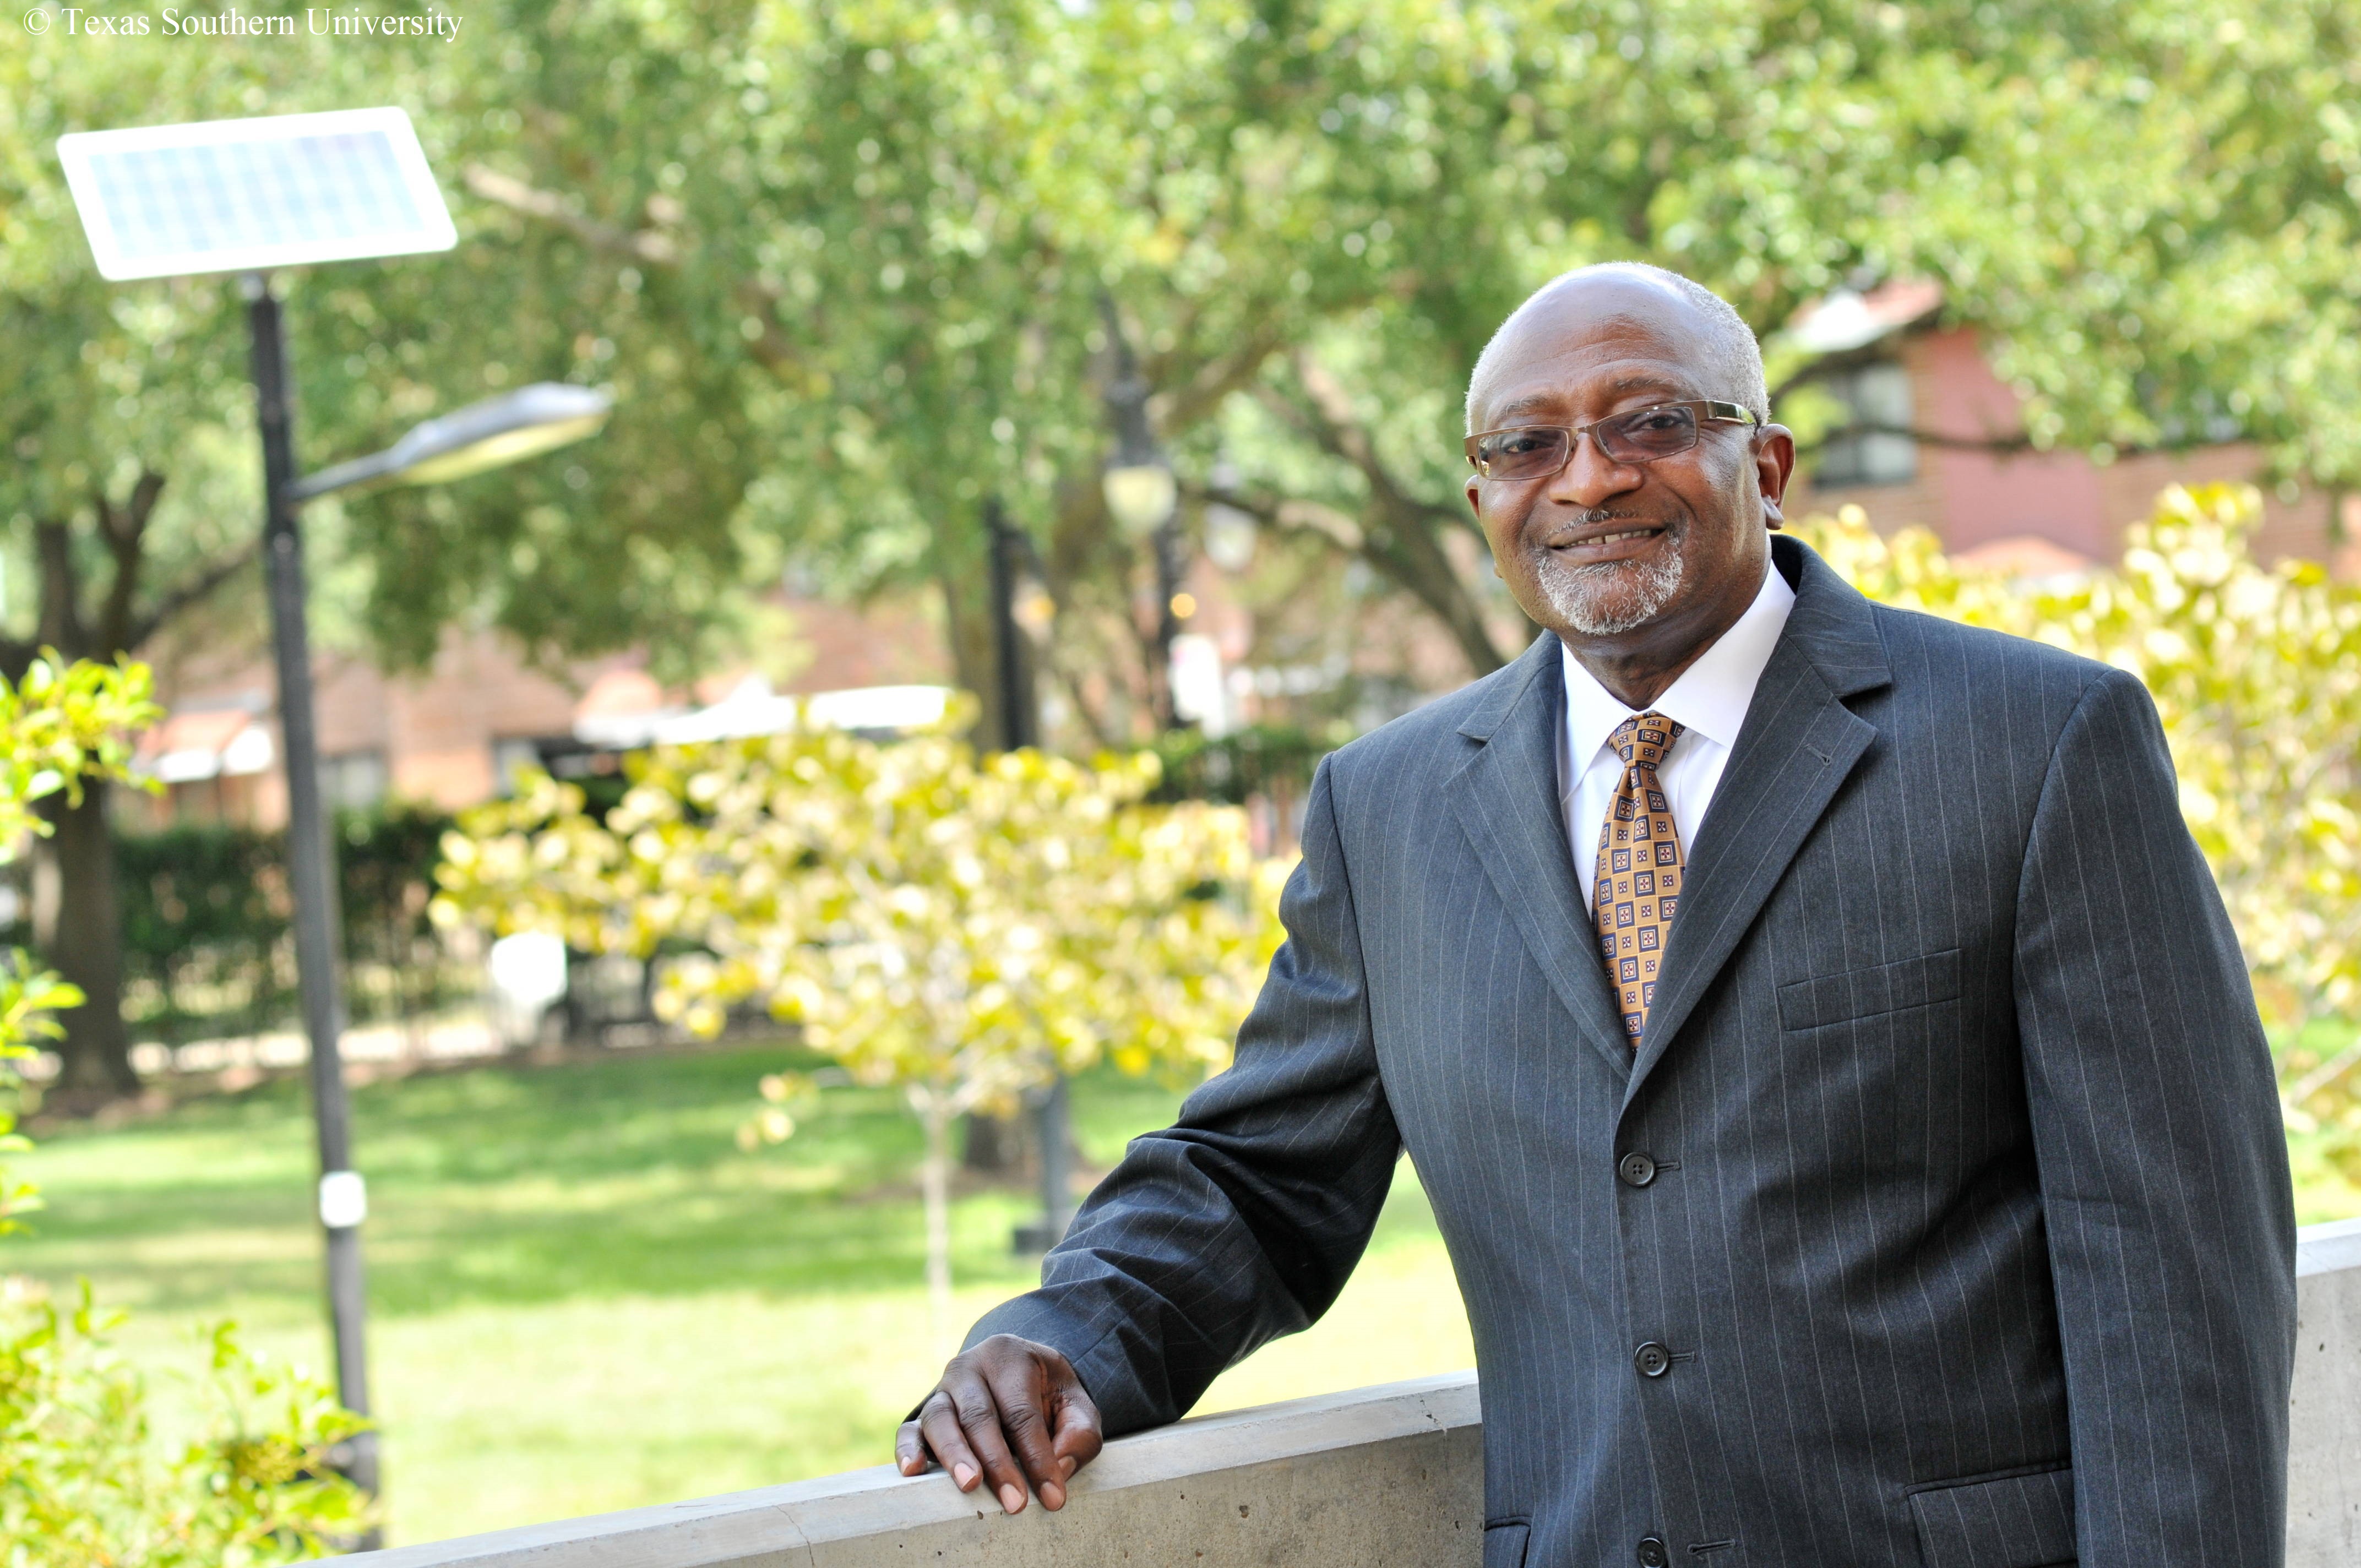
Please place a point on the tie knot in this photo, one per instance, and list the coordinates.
(1643, 741)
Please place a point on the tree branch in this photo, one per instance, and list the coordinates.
(641, 244)
(188, 593)
(125, 530)
(1999, 445)
(1400, 533)
(653, 247)
(61, 606)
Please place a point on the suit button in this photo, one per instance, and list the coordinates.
(1653, 1553)
(1636, 1169)
(1651, 1359)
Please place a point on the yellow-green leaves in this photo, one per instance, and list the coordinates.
(929, 916)
(60, 724)
(956, 925)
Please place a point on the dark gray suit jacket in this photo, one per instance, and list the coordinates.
(1962, 1234)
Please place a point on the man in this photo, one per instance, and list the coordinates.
(1827, 1054)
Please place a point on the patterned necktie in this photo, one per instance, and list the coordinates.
(1640, 866)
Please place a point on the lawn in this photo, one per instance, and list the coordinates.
(584, 1296)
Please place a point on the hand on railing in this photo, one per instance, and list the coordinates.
(1006, 1411)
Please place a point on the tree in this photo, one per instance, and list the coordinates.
(132, 487)
(1310, 214)
(2256, 675)
(959, 927)
(845, 266)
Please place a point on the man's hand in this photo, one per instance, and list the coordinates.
(1007, 1412)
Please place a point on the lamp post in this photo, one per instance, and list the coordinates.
(245, 196)
(484, 435)
(1143, 497)
(1053, 1118)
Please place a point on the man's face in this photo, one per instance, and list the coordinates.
(1626, 559)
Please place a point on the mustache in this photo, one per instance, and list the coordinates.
(1544, 530)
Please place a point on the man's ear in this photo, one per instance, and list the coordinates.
(1774, 464)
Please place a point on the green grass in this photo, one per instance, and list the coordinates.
(584, 1296)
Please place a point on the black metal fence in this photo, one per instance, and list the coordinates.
(207, 948)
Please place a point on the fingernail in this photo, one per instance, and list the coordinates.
(1066, 1464)
(965, 1474)
(1011, 1500)
(1053, 1496)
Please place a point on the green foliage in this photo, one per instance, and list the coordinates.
(842, 265)
(62, 723)
(84, 1484)
(30, 998)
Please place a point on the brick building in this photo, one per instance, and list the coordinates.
(452, 734)
(2027, 511)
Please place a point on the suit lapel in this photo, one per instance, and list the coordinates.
(1798, 746)
(1506, 799)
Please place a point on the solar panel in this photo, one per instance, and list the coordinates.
(239, 195)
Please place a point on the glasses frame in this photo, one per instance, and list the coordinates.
(1708, 411)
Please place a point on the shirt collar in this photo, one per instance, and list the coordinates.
(1711, 696)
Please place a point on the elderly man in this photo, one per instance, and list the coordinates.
(1826, 1052)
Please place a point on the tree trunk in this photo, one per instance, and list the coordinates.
(993, 1146)
(79, 932)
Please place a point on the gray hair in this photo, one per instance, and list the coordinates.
(1733, 359)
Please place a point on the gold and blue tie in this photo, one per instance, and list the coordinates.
(1639, 884)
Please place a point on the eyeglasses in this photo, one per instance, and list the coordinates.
(1539, 451)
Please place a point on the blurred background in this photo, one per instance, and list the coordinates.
(1082, 375)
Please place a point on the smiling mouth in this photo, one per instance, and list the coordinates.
(1595, 541)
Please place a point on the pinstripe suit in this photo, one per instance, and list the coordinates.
(1963, 1225)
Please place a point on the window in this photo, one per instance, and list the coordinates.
(511, 756)
(352, 779)
(1879, 395)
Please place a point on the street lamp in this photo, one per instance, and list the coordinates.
(481, 436)
(1142, 496)
(490, 434)
(246, 196)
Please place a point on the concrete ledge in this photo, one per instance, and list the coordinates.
(1385, 1478)
(2324, 1414)
(1376, 1477)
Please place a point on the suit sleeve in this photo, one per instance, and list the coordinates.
(1241, 1222)
(2163, 1164)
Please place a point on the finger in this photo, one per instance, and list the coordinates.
(910, 1449)
(978, 1421)
(1078, 1432)
(1020, 1386)
(938, 1425)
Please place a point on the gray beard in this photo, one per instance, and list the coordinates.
(1607, 599)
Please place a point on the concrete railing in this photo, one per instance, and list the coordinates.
(1372, 1478)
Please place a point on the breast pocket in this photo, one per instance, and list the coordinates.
(1872, 992)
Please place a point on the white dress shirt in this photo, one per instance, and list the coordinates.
(1709, 702)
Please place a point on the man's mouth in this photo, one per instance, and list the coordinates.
(1582, 543)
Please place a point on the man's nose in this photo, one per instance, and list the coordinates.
(1590, 478)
